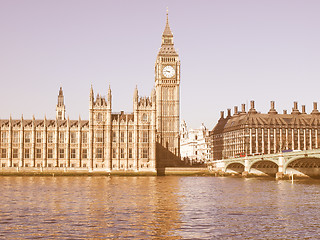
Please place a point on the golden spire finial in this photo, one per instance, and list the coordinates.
(167, 15)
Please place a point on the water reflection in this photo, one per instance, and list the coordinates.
(90, 207)
(157, 208)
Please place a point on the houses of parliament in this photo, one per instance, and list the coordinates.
(143, 141)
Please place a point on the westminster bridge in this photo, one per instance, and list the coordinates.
(299, 163)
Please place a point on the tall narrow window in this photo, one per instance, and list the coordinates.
(114, 137)
(84, 153)
(122, 137)
(99, 136)
(121, 153)
(50, 153)
(145, 153)
(130, 152)
(99, 153)
(3, 137)
(27, 153)
(73, 153)
(84, 137)
(130, 137)
(15, 137)
(15, 153)
(39, 135)
(3, 153)
(61, 137)
(145, 137)
(73, 136)
(38, 153)
(27, 137)
(114, 153)
(50, 137)
(61, 153)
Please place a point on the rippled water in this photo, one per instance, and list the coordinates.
(158, 208)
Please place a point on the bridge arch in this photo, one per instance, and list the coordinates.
(264, 167)
(235, 167)
(264, 161)
(303, 165)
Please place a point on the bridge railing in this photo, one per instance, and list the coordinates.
(273, 155)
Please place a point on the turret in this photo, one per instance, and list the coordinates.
(33, 121)
(109, 98)
(21, 120)
(135, 98)
(153, 97)
(61, 108)
(68, 123)
(91, 97)
(45, 121)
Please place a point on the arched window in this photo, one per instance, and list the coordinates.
(144, 117)
(99, 116)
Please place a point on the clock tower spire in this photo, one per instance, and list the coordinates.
(167, 81)
(167, 36)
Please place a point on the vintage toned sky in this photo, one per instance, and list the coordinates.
(231, 52)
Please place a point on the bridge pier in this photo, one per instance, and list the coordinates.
(280, 173)
(245, 173)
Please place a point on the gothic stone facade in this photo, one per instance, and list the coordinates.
(254, 133)
(137, 141)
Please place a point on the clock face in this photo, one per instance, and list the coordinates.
(168, 71)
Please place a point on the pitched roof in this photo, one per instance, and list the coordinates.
(267, 120)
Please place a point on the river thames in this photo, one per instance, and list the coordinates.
(170, 207)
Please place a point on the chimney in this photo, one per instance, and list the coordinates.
(272, 108)
(235, 110)
(304, 109)
(295, 109)
(243, 108)
(229, 112)
(252, 110)
(315, 108)
(221, 114)
(285, 112)
(252, 104)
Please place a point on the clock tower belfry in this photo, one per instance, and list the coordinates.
(167, 82)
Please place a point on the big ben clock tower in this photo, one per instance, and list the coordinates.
(167, 82)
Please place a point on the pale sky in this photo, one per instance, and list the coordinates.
(231, 52)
